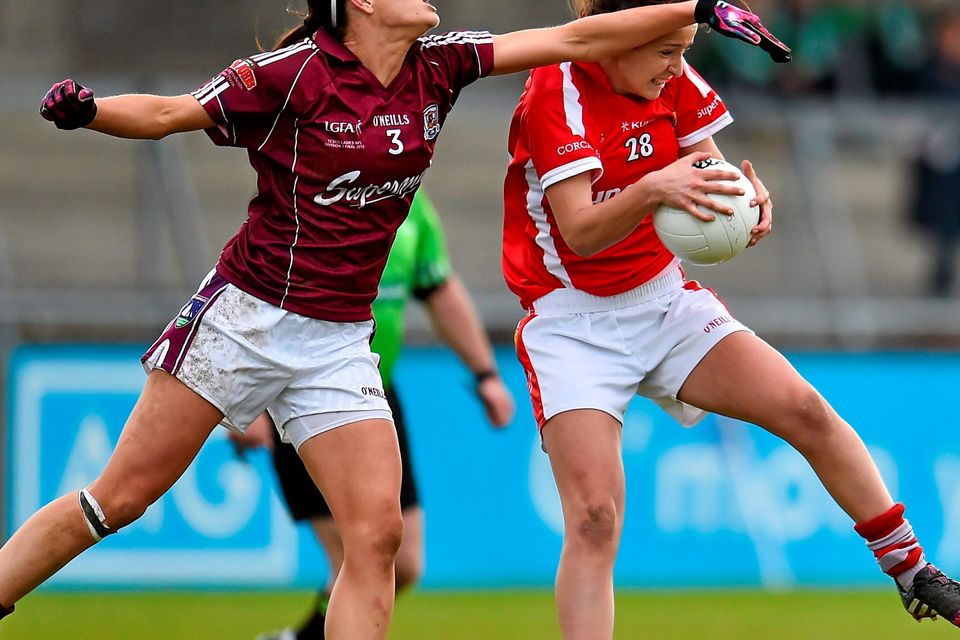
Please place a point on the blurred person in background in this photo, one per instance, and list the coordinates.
(935, 206)
(417, 267)
(852, 48)
(340, 122)
(595, 148)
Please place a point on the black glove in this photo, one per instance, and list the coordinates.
(69, 105)
(734, 22)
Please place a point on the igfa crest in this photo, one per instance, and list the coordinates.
(431, 122)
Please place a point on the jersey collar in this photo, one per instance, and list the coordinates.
(593, 71)
(334, 48)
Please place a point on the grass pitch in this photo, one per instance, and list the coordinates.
(734, 615)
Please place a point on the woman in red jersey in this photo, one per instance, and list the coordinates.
(340, 123)
(595, 148)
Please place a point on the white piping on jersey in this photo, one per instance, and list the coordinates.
(705, 132)
(296, 212)
(199, 92)
(213, 89)
(269, 57)
(697, 81)
(223, 112)
(456, 37)
(287, 101)
(219, 84)
(571, 169)
(571, 103)
(544, 239)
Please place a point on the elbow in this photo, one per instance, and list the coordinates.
(581, 245)
(164, 124)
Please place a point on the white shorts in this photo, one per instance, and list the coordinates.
(244, 355)
(582, 351)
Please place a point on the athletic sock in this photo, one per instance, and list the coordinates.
(894, 544)
(312, 629)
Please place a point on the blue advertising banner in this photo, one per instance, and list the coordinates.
(721, 504)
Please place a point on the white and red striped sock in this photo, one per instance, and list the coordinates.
(894, 544)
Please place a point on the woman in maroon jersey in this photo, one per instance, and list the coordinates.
(340, 123)
(595, 148)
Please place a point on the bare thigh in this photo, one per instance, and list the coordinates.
(357, 469)
(745, 378)
(162, 436)
(586, 455)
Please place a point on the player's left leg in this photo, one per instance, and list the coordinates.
(357, 467)
(409, 567)
(745, 378)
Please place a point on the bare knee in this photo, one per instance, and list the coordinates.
(120, 507)
(375, 536)
(805, 419)
(593, 527)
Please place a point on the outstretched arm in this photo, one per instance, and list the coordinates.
(601, 36)
(149, 117)
(71, 106)
(456, 323)
(590, 38)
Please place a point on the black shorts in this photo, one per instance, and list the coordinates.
(302, 496)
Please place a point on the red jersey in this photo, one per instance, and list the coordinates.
(570, 121)
(338, 158)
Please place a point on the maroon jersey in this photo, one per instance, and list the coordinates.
(338, 158)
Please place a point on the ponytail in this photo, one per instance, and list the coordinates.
(329, 15)
(583, 8)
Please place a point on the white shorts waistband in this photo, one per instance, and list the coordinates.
(577, 301)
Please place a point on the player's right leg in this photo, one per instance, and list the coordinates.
(162, 436)
(585, 453)
(580, 415)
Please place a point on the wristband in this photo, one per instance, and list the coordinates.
(479, 377)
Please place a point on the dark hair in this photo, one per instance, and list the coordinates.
(329, 15)
(583, 8)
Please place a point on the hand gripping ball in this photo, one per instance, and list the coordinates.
(698, 242)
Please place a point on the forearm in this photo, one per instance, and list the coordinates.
(147, 117)
(601, 36)
(595, 227)
(590, 38)
(456, 323)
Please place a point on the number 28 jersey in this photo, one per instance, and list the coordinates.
(570, 121)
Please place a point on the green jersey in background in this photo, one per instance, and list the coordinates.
(417, 265)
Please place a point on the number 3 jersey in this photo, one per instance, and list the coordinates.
(570, 121)
(338, 158)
